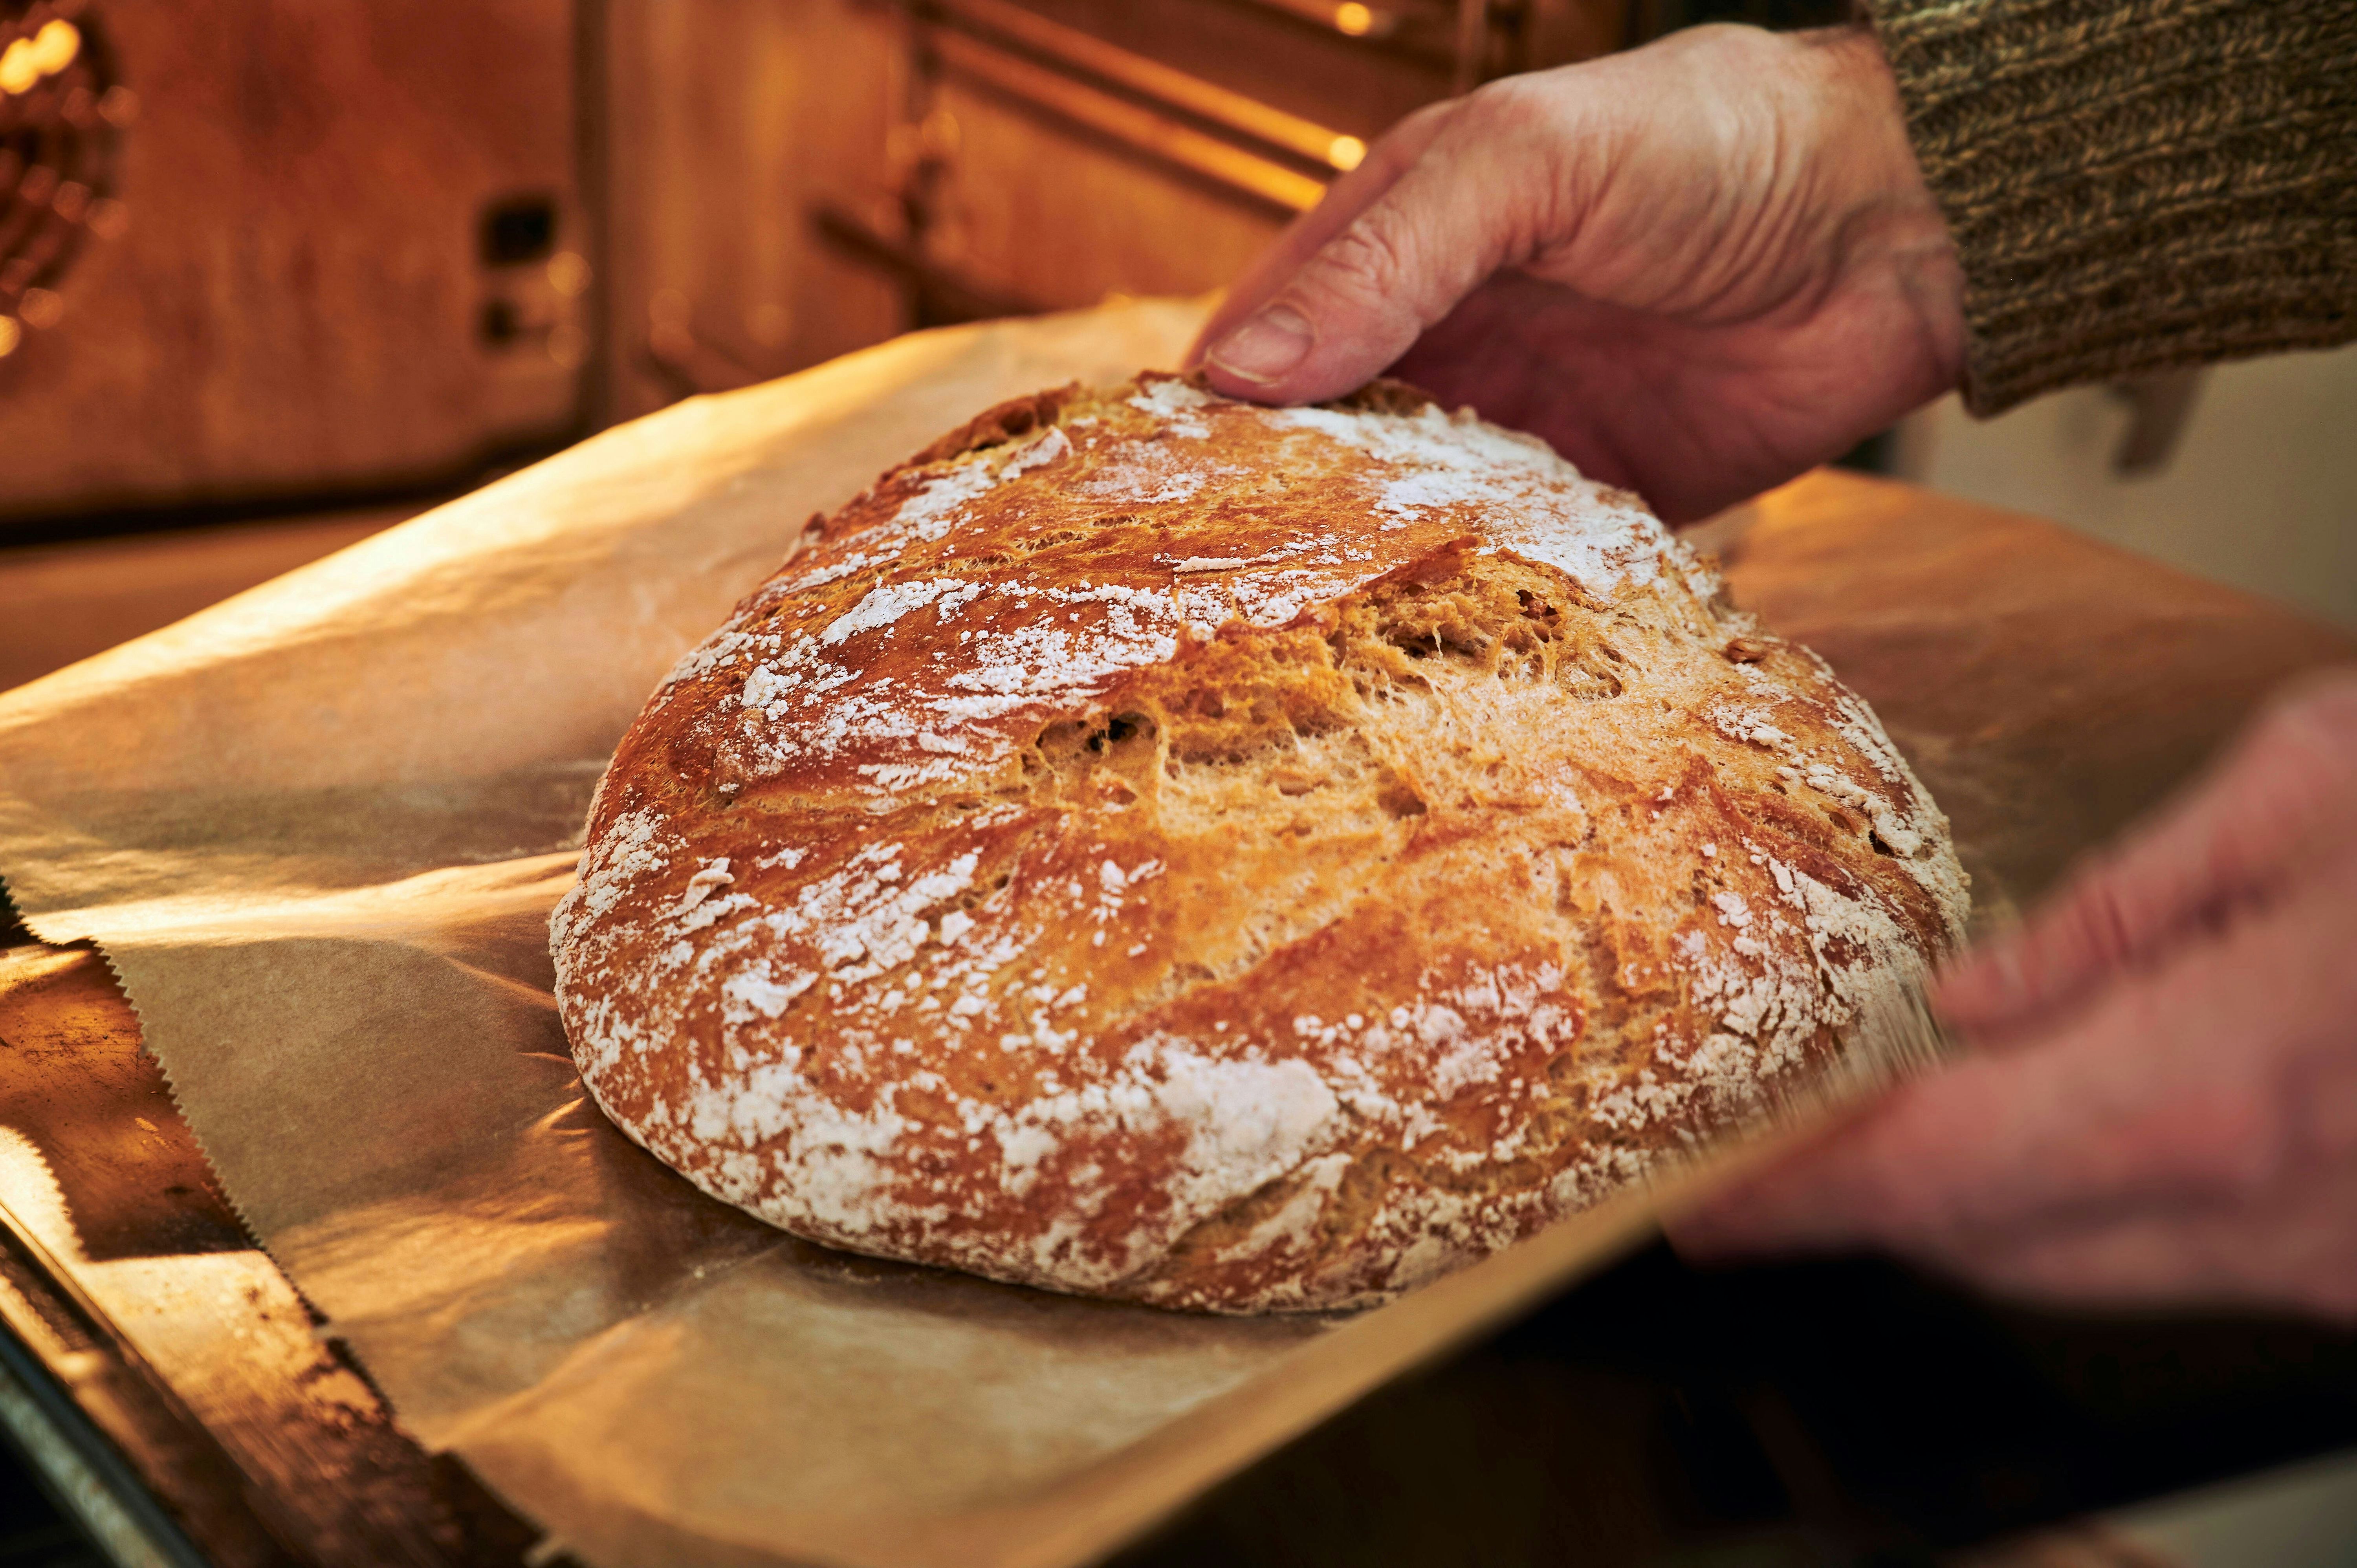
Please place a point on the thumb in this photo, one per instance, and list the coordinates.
(1460, 211)
(2259, 818)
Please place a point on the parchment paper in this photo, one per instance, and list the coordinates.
(318, 829)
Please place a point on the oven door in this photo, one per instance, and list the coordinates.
(282, 250)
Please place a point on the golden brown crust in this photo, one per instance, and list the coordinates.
(1228, 857)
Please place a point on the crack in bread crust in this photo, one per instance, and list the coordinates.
(1232, 858)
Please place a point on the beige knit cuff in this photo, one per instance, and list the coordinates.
(2134, 184)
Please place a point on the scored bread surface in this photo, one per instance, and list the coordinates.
(1229, 857)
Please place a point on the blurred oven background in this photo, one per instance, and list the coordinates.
(263, 251)
(294, 258)
(287, 254)
(275, 274)
(861, 168)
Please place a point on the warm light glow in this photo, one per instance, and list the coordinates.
(25, 62)
(1353, 19)
(568, 274)
(1347, 153)
(17, 72)
(42, 307)
(10, 336)
(55, 46)
(941, 133)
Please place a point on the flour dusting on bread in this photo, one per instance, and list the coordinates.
(1234, 858)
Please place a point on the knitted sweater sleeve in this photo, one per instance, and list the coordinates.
(2134, 184)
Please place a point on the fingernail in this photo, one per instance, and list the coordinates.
(1265, 348)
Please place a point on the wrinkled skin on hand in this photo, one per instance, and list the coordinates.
(1696, 269)
(2163, 1106)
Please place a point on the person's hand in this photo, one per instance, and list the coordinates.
(1697, 268)
(2163, 1108)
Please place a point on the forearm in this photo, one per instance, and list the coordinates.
(2136, 184)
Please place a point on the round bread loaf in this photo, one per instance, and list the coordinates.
(1237, 858)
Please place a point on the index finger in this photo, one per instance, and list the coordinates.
(1393, 154)
(2256, 820)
